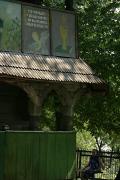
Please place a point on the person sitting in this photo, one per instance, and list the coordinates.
(95, 165)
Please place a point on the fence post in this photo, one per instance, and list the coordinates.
(79, 155)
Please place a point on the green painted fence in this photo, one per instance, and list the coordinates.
(37, 155)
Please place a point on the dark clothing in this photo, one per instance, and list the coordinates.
(94, 162)
(93, 166)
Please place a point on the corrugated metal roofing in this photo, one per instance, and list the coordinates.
(46, 68)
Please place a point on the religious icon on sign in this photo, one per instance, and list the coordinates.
(63, 48)
(39, 42)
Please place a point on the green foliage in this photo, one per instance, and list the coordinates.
(54, 3)
(47, 121)
(99, 45)
(84, 140)
(48, 116)
(11, 35)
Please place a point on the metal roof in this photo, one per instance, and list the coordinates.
(50, 68)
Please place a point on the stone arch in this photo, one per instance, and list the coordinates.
(64, 111)
(13, 107)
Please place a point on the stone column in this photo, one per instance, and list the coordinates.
(64, 117)
(35, 113)
(64, 121)
(35, 103)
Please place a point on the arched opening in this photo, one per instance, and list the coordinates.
(50, 108)
(13, 107)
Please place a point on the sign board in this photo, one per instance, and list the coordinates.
(10, 26)
(35, 30)
(63, 34)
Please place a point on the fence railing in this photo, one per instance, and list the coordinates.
(111, 163)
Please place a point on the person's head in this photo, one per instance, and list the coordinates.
(94, 152)
(35, 36)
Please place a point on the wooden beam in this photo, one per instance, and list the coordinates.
(33, 1)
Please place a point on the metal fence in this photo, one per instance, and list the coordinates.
(111, 163)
